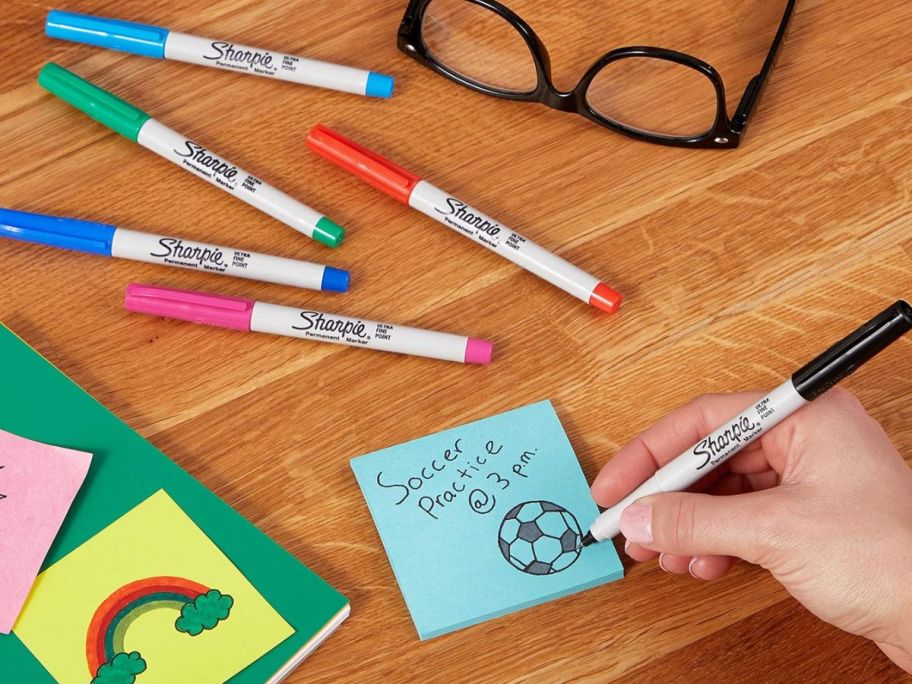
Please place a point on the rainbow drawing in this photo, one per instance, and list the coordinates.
(199, 607)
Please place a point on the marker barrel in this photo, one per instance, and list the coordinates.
(161, 43)
(137, 125)
(405, 186)
(205, 164)
(356, 332)
(487, 232)
(809, 382)
(247, 315)
(200, 256)
(707, 454)
(109, 240)
(258, 62)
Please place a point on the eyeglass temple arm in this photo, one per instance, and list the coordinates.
(756, 84)
(408, 21)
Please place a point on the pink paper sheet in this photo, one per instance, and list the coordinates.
(38, 483)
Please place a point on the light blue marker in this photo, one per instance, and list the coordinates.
(161, 43)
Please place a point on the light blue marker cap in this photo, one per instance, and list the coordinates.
(379, 85)
(335, 279)
(126, 36)
(83, 236)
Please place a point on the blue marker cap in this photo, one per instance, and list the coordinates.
(379, 85)
(126, 36)
(83, 236)
(335, 279)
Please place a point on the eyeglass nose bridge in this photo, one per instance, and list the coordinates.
(565, 101)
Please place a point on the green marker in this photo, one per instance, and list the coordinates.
(139, 127)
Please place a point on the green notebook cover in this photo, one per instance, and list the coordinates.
(41, 403)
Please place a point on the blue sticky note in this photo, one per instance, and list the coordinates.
(485, 519)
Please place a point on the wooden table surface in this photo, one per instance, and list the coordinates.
(738, 266)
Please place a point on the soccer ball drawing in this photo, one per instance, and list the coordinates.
(540, 538)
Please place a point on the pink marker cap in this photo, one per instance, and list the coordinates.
(186, 305)
(479, 351)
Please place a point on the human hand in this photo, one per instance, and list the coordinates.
(823, 501)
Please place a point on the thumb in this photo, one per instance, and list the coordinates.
(700, 524)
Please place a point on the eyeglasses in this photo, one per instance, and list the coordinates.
(649, 93)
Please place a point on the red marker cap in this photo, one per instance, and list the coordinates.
(606, 298)
(369, 166)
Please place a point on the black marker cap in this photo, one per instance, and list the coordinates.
(845, 357)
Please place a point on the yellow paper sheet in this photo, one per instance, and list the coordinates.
(152, 562)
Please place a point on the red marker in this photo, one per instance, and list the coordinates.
(459, 216)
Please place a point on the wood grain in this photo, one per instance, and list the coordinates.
(738, 266)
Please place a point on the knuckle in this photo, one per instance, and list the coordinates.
(700, 408)
(845, 398)
(838, 412)
(681, 518)
(774, 529)
(769, 530)
(703, 401)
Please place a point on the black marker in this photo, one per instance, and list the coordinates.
(814, 379)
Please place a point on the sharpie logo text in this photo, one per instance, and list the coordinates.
(227, 52)
(713, 447)
(175, 248)
(203, 157)
(316, 321)
(463, 212)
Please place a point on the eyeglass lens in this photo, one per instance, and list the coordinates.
(479, 45)
(654, 96)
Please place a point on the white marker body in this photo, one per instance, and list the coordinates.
(223, 54)
(356, 332)
(484, 230)
(707, 454)
(199, 256)
(202, 162)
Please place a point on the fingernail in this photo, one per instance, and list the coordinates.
(627, 546)
(636, 523)
(690, 566)
(662, 562)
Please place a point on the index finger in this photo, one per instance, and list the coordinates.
(667, 438)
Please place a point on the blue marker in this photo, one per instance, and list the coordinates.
(108, 240)
(161, 43)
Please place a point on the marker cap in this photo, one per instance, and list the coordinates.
(185, 305)
(849, 354)
(116, 34)
(379, 85)
(99, 104)
(84, 236)
(335, 279)
(479, 351)
(606, 298)
(369, 166)
(329, 232)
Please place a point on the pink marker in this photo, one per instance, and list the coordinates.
(248, 315)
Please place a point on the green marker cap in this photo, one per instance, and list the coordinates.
(329, 232)
(99, 104)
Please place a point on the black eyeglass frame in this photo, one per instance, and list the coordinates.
(725, 132)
